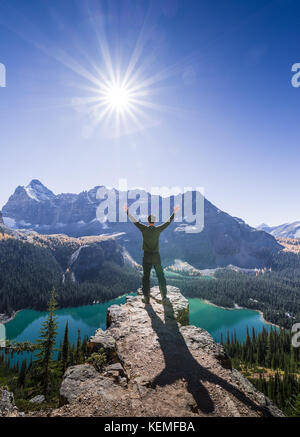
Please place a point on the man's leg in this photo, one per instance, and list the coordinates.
(161, 280)
(146, 279)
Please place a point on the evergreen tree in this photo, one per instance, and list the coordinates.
(84, 345)
(265, 352)
(78, 355)
(65, 352)
(22, 374)
(295, 411)
(46, 344)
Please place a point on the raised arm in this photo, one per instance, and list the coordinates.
(165, 225)
(139, 225)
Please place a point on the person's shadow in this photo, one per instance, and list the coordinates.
(181, 365)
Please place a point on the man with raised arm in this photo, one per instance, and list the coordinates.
(151, 257)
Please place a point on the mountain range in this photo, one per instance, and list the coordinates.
(224, 240)
(287, 230)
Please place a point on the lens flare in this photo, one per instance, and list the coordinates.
(118, 97)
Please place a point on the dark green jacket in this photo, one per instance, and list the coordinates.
(150, 233)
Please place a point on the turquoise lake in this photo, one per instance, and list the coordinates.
(26, 325)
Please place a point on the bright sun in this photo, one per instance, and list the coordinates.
(118, 97)
(121, 92)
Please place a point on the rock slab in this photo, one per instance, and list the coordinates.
(160, 367)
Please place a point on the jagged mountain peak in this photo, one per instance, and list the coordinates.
(38, 192)
(263, 225)
(36, 182)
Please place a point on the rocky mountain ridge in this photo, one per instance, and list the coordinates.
(287, 230)
(224, 240)
(158, 366)
(81, 256)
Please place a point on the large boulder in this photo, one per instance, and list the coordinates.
(83, 381)
(7, 404)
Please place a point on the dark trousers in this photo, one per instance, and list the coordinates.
(153, 260)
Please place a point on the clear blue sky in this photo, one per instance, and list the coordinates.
(223, 114)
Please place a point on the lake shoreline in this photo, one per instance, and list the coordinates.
(237, 307)
(5, 318)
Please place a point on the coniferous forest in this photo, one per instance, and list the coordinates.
(272, 364)
(28, 270)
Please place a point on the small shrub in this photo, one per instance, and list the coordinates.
(98, 360)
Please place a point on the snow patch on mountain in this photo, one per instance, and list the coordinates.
(23, 223)
(297, 233)
(38, 192)
(10, 222)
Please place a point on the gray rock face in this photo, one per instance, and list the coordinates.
(7, 404)
(116, 316)
(198, 338)
(224, 240)
(88, 260)
(83, 380)
(38, 399)
(162, 368)
(103, 339)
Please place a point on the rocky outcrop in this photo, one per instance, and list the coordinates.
(7, 404)
(104, 340)
(158, 366)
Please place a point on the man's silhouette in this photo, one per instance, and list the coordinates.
(151, 234)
